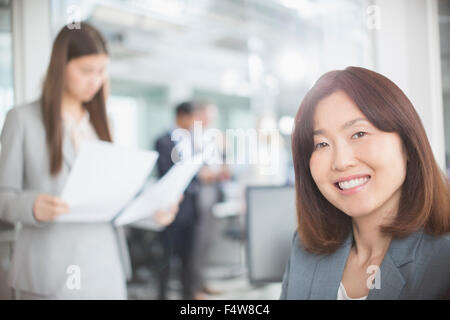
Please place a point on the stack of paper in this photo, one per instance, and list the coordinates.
(163, 193)
(103, 180)
(106, 184)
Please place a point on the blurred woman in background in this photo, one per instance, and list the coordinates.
(40, 141)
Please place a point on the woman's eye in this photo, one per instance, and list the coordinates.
(359, 134)
(87, 71)
(320, 145)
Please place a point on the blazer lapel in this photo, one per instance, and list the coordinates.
(400, 252)
(328, 273)
(391, 281)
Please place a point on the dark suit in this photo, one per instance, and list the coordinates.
(178, 237)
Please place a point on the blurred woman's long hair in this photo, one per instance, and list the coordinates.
(70, 44)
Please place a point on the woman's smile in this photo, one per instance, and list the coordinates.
(352, 185)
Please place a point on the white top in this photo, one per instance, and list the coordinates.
(81, 131)
(342, 294)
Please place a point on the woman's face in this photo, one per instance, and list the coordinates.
(85, 75)
(369, 164)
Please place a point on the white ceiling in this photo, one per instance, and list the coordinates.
(200, 42)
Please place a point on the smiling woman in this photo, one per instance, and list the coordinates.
(369, 193)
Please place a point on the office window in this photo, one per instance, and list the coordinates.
(123, 111)
(6, 63)
(444, 30)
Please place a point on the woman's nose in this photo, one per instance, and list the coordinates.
(95, 82)
(343, 157)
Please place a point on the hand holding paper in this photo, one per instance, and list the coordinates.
(166, 217)
(162, 194)
(47, 207)
(105, 179)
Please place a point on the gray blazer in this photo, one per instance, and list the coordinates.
(415, 267)
(44, 251)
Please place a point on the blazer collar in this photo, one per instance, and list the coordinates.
(401, 251)
(329, 270)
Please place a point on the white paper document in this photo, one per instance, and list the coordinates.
(103, 180)
(162, 194)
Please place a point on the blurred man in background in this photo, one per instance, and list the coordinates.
(178, 238)
(210, 177)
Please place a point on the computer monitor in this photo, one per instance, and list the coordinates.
(270, 222)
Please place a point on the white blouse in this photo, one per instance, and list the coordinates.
(342, 294)
(79, 132)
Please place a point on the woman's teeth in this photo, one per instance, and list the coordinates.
(352, 183)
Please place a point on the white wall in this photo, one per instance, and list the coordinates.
(31, 45)
(407, 51)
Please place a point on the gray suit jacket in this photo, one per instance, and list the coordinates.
(415, 267)
(44, 252)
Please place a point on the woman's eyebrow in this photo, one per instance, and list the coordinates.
(344, 126)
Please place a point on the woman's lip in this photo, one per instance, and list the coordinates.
(355, 176)
(352, 190)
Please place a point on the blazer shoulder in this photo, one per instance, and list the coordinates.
(299, 272)
(27, 110)
(432, 263)
(440, 244)
(434, 253)
(300, 253)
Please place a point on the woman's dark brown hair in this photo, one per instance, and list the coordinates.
(424, 202)
(70, 44)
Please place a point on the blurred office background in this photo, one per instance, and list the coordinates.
(255, 59)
